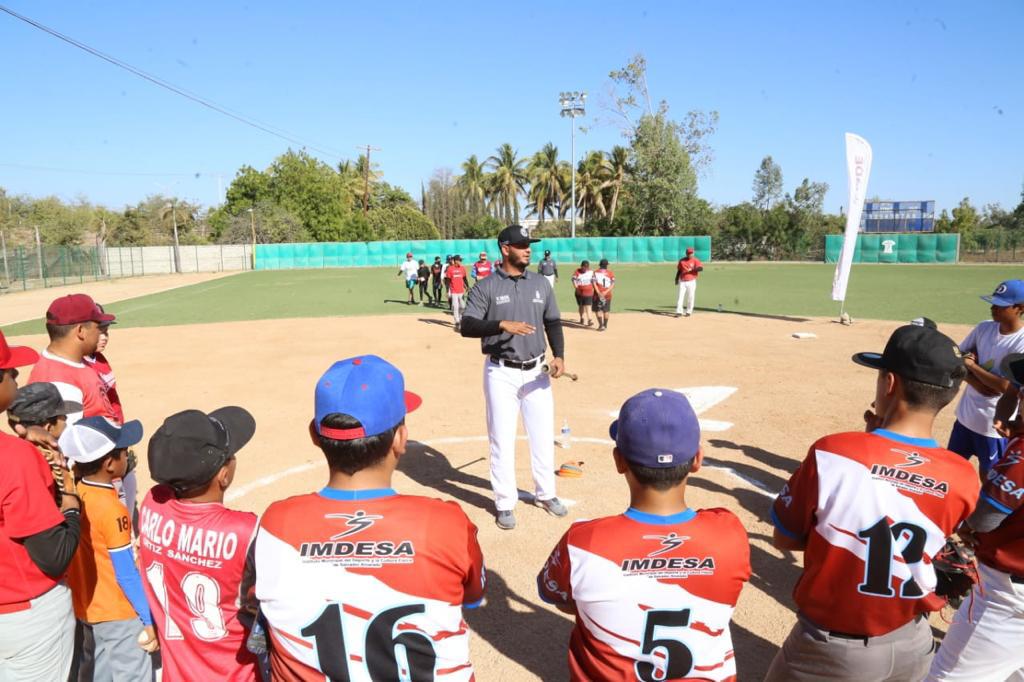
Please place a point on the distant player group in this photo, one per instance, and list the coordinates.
(357, 581)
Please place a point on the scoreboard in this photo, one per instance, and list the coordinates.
(898, 216)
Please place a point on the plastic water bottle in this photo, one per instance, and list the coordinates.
(566, 434)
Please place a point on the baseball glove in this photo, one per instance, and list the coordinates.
(956, 572)
(63, 481)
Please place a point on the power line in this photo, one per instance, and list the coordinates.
(284, 135)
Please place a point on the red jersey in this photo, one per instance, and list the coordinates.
(193, 557)
(76, 382)
(687, 268)
(583, 280)
(874, 509)
(456, 275)
(367, 585)
(604, 280)
(1003, 548)
(653, 594)
(101, 366)
(482, 269)
(26, 508)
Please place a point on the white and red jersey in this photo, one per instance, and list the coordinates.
(482, 269)
(653, 594)
(583, 280)
(193, 558)
(367, 585)
(604, 282)
(1003, 548)
(874, 508)
(686, 268)
(76, 382)
(101, 366)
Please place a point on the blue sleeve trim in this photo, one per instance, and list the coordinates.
(998, 505)
(128, 578)
(782, 529)
(473, 604)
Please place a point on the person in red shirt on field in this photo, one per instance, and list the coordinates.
(456, 277)
(37, 542)
(482, 268)
(195, 589)
(604, 282)
(583, 282)
(687, 270)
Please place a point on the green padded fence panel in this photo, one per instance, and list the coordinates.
(897, 248)
(563, 249)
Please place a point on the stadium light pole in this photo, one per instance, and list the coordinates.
(573, 105)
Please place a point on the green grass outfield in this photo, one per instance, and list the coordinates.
(946, 293)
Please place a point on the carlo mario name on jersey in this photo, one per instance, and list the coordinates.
(182, 542)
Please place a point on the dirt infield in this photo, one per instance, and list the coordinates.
(17, 306)
(787, 393)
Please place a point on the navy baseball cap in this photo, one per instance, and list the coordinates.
(1010, 292)
(657, 428)
(89, 439)
(918, 353)
(367, 388)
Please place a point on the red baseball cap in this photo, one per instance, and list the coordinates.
(76, 308)
(15, 356)
(689, 249)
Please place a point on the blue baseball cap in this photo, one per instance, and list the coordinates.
(91, 438)
(1010, 292)
(657, 428)
(367, 388)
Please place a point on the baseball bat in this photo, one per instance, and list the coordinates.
(547, 370)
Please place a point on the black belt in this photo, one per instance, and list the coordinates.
(529, 364)
(847, 635)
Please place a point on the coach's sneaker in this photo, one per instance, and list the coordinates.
(506, 520)
(553, 506)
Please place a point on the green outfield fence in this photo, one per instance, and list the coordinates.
(565, 250)
(897, 248)
(50, 266)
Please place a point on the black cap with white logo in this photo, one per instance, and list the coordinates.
(515, 234)
(190, 447)
(919, 353)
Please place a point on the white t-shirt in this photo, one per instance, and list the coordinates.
(410, 268)
(975, 411)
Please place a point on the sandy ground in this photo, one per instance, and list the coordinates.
(18, 306)
(788, 393)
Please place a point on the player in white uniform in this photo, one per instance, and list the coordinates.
(410, 268)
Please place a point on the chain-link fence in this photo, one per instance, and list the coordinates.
(51, 266)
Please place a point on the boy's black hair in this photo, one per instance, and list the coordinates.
(350, 456)
(930, 397)
(661, 479)
(27, 422)
(59, 331)
(83, 469)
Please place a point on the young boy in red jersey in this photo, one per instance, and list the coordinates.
(869, 511)
(357, 582)
(193, 549)
(604, 283)
(653, 589)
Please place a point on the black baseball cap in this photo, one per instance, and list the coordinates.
(918, 353)
(515, 234)
(190, 447)
(1012, 368)
(39, 403)
(547, 252)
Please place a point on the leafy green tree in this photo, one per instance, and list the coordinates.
(311, 190)
(740, 232)
(473, 184)
(965, 217)
(401, 223)
(619, 162)
(272, 223)
(386, 195)
(943, 223)
(476, 226)
(547, 177)
(593, 177)
(508, 181)
(662, 181)
(59, 224)
(249, 187)
(767, 183)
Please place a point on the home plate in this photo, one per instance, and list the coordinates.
(804, 335)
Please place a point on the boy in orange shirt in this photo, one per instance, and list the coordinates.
(106, 588)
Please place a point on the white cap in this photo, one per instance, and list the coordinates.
(90, 439)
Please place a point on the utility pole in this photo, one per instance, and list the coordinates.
(252, 226)
(366, 179)
(3, 246)
(573, 105)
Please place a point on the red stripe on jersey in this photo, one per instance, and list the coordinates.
(613, 634)
(292, 638)
(449, 671)
(354, 657)
(706, 629)
(357, 612)
(438, 636)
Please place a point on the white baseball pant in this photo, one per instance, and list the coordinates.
(508, 393)
(457, 306)
(986, 640)
(687, 297)
(38, 643)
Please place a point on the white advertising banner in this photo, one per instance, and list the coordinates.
(858, 168)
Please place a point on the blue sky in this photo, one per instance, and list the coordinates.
(935, 87)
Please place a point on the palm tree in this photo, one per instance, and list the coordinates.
(508, 181)
(618, 160)
(547, 188)
(473, 184)
(592, 178)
